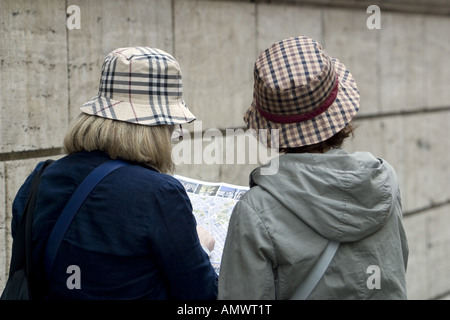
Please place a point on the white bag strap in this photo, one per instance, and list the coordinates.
(316, 273)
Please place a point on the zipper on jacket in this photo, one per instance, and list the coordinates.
(275, 279)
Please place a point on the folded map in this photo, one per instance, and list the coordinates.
(212, 205)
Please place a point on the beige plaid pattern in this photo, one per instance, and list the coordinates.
(140, 85)
(293, 78)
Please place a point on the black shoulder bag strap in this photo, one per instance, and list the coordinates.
(21, 248)
(29, 210)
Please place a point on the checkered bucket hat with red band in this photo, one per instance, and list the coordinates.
(140, 85)
(301, 91)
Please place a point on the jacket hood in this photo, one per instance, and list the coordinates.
(343, 197)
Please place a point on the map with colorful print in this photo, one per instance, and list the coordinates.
(212, 205)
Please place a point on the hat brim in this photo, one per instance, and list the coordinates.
(317, 129)
(142, 114)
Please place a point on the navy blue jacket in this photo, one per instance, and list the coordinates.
(134, 237)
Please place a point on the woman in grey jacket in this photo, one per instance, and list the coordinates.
(320, 195)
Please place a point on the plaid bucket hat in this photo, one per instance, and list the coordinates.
(140, 85)
(301, 91)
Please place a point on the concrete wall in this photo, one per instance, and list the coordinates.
(403, 72)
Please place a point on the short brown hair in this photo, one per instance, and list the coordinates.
(335, 141)
(150, 145)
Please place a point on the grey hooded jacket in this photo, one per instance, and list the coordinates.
(282, 224)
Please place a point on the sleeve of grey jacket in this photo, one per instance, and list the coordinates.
(248, 258)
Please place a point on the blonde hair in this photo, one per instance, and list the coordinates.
(150, 145)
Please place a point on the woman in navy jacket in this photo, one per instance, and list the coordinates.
(135, 236)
